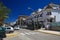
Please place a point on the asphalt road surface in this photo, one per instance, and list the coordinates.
(25, 34)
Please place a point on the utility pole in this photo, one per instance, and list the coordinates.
(33, 23)
(37, 20)
(20, 22)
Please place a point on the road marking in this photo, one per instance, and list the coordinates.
(22, 33)
(11, 35)
(48, 32)
(28, 33)
(32, 32)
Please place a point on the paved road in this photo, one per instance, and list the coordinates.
(31, 35)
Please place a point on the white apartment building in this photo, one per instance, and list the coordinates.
(50, 13)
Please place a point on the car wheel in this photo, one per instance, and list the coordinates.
(12, 31)
(9, 32)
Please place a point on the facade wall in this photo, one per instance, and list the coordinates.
(57, 14)
(46, 17)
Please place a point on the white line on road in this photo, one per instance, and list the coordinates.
(28, 33)
(32, 32)
(22, 33)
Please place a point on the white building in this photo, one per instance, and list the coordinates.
(13, 23)
(50, 13)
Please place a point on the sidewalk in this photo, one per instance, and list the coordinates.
(49, 32)
(12, 34)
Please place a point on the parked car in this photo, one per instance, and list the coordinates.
(2, 33)
(9, 29)
(16, 28)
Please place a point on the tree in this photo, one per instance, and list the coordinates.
(3, 12)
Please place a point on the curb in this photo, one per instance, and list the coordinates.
(47, 32)
(11, 35)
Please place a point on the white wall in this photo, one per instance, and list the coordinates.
(57, 14)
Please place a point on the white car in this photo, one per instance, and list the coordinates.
(9, 29)
(16, 28)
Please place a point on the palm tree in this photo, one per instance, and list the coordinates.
(3, 12)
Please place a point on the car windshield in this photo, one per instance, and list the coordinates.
(0, 28)
(8, 28)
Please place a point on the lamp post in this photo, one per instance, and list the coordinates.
(37, 20)
(33, 21)
(32, 18)
(20, 22)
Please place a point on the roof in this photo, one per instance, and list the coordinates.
(50, 5)
(24, 16)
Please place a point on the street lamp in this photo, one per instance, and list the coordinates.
(37, 20)
(30, 8)
(33, 14)
(33, 23)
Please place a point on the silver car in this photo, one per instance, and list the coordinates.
(9, 29)
(16, 28)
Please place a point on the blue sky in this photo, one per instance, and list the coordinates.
(20, 7)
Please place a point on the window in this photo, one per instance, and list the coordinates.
(50, 20)
(0, 28)
(48, 13)
(40, 15)
(36, 16)
(54, 7)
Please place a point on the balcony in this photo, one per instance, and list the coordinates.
(50, 16)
